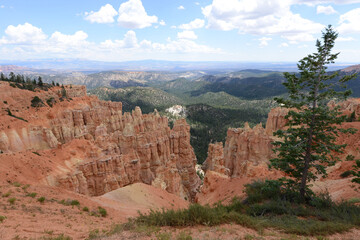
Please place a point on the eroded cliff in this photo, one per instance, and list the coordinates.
(122, 148)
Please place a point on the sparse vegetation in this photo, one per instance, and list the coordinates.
(268, 205)
(41, 199)
(2, 218)
(37, 102)
(74, 203)
(22, 82)
(12, 200)
(102, 211)
(33, 194)
(85, 209)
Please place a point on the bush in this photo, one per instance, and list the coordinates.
(41, 199)
(50, 101)
(33, 194)
(2, 218)
(12, 200)
(74, 203)
(346, 174)
(85, 209)
(37, 102)
(102, 212)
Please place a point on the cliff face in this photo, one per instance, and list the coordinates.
(245, 148)
(125, 148)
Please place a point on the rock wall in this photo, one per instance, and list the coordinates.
(244, 149)
(126, 148)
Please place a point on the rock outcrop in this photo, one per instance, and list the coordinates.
(245, 148)
(125, 148)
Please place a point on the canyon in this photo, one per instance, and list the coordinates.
(117, 149)
(75, 146)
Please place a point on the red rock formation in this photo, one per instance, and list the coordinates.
(276, 120)
(244, 149)
(125, 148)
(215, 160)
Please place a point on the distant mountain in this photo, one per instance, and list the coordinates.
(258, 86)
(153, 65)
(145, 97)
(352, 69)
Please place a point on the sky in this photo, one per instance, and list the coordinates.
(176, 30)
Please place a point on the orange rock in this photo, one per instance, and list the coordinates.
(125, 148)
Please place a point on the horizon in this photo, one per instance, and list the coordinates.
(183, 31)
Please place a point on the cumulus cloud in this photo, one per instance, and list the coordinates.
(106, 14)
(30, 42)
(129, 41)
(264, 41)
(75, 39)
(325, 10)
(181, 7)
(197, 23)
(132, 14)
(162, 23)
(284, 44)
(259, 18)
(23, 34)
(186, 35)
(349, 22)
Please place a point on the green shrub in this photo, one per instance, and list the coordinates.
(37, 102)
(16, 184)
(102, 212)
(12, 200)
(33, 194)
(85, 209)
(74, 203)
(346, 174)
(41, 199)
(6, 194)
(2, 218)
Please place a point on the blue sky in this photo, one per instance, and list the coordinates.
(199, 30)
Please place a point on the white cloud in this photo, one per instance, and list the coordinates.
(173, 27)
(197, 23)
(186, 35)
(284, 44)
(260, 18)
(64, 39)
(349, 22)
(2, 6)
(264, 41)
(34, 43)
(316, 2)
(132, 14)
(106, 14)
(325, 10)
(129, 41)
(181, 7)
(197, 3)
(23, 34)
(162, 23)
(345, 39)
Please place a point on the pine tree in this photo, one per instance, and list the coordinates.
(40, 82)
(308, 142)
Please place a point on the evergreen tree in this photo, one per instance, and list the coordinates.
(40, 82)
(308, 143)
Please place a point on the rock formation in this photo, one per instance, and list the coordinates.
(125, 148)
(244, 149)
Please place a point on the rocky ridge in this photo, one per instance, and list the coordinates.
(122, 148)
